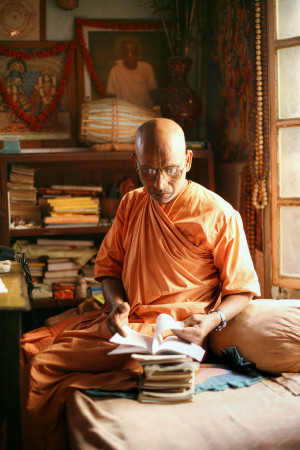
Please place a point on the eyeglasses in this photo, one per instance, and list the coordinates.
(170, 173)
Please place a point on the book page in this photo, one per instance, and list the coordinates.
(174, 344)
(163, 322)
(135, 342)
(133, 338)
(128, 349)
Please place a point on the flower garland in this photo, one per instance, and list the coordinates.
(106, 26)
(35, 123)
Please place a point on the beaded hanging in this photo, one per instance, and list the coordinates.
(260, 157)
(254, 197)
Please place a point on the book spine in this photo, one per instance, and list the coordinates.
(57, 192)
(21, 178)
(75, 219)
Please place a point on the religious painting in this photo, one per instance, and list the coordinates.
(22, 20)
(37, 87)
(128, 61)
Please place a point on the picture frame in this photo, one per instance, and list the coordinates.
(23, 20)
(101, 41)
(36, 86)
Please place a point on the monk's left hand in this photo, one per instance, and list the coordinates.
(195, 328)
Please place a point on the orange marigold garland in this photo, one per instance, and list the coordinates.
(35, 123)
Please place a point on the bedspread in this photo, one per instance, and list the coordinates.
(265, 416)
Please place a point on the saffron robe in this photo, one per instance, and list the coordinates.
(179, 258)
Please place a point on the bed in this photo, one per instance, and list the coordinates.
(260, 414)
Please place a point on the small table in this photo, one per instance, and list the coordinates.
(12, 305)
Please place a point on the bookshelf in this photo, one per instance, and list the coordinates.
(80, 166)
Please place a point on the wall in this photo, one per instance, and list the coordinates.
(227, 180)
(60, 23)
(60, 27)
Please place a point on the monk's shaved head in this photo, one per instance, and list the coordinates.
(158, 138)
(160, 149)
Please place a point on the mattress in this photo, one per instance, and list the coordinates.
(265, 415)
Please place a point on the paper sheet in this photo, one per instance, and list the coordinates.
(3, 289)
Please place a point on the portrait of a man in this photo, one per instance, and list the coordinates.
(131, 65)
(132, 80)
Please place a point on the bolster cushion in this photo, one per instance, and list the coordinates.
(266, 332)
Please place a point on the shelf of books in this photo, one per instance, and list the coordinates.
(62, 270)
(57, 205)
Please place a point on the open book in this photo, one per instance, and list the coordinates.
(138, 343)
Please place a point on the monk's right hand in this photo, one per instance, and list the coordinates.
(118, 317)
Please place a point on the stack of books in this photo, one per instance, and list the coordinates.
(64, 258)
(70, 205)
(93, 287)
(166, 378)
(70, 243)
(61, 270)
(167, 361)
(23, 195)
(37, 268)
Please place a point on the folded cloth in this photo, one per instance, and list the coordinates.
(232, 357)
(285, 383)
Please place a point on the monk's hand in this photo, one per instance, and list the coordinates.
(194, 329)
(118, 317)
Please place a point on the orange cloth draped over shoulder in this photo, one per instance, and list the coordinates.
(178, 258)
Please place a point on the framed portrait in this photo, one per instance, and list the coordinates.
(38, 93)
(22, 20)
(107, 45)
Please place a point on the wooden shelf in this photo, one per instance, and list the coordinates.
(64, 155)
(79, 154)
(57, 231)
(52, 303)
(79, 166)
(85, 165)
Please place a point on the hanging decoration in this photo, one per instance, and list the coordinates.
(259, 155)
(254, 197)
(106, 26)
(35, 123)
(231, 54)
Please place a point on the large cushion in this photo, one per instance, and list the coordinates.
(266, 332)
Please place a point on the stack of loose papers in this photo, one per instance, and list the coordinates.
(167, 379)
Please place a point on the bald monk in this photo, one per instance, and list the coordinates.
(174, 247)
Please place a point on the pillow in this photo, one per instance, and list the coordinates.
(266, 332)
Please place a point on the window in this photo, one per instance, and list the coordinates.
(284, 76)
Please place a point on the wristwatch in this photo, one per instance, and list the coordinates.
(223, 319)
